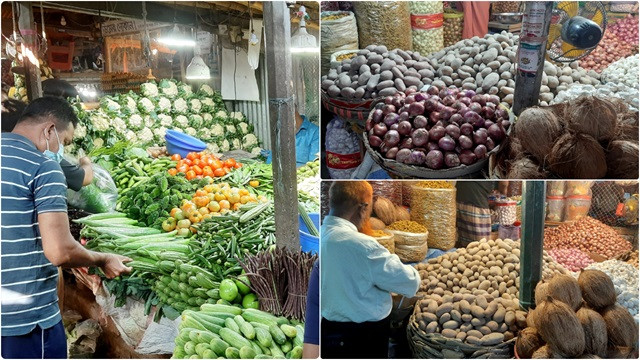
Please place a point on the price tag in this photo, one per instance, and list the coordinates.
(533, 20)
(620, 210)
(528, 58)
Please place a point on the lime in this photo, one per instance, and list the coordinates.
(250, 301)
(228, 290)
(240, 283)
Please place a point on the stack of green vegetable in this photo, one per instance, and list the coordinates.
(133, 171)
(221, 331)
(144, 119)
(186, 286)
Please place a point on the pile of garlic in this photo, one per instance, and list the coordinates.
(623, 71)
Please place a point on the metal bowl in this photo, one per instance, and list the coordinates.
(507, 18)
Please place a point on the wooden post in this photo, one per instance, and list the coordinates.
(277, 28)
(29, 35)
(533, 213)
(531, 54)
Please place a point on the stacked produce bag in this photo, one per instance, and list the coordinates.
(568, 200)
(19, 90)
(383, 22)
(339, 32)
(433, 205)
(426, 26)
(452, 27)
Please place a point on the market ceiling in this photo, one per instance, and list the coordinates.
(214, 12)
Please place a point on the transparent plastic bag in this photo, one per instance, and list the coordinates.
(506, 211)
(98, 197)
(578, 188)
(435, 209)
(556, 188)
(555, 208)
(383, 23)
(339, 33)
(343, 149)
(426, 26)
(452, 28)
(409, 239)
(391, 190)
(576, 207)
(387, 241)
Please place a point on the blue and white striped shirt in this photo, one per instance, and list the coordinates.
(32, 184)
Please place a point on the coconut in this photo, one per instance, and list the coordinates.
(593, 116)
(385, 210)
(544, 352)
(578, 156)
(376, 224)
(531, 318)
(626, 131)
(622, 157)
(589, 356)
(537, 129)
(541, 292)
(528, 342)
(565, 288)
(560, 328)
(621, 328)
(559, 110)
(621, 352)
(597, 289)
(525, 168)
(402, 213)
(595, 332)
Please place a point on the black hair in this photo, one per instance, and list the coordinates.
(42, 108)
(58, 88)
(14, 109)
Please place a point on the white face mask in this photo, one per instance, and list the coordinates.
(57, 156)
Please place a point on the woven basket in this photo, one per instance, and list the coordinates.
(353, 111)
(436, 346)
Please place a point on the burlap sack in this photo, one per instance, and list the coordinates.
(412, 253)
(435, 209)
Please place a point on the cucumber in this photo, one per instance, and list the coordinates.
(209, 354)
(190, 348)
(289, 331)
(232, 353)
(207, 317)
(221, 308)
(233, 338)
(282, 320)
(223, 302)
(214, 294)
(259, 325)
(247, 352)
(219, 315)
(299, 339)
(200, 348)
(277, 334)
(276, 352)
(205, 282)
(247, 330)
(195, 356)
(286, 347)
(232, 325)
(264, 337)
(256, 347)
(263, 356)
(188, 322)
(296, 353)
(259, 316)
(219, 346)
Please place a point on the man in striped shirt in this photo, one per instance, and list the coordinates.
(35, 235)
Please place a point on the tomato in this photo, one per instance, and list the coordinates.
(201, 201)
(169, 224)
(243, 192)
(191, 175)
(203, 210)
(183, 232)
(176, 157)
(197, 162)
(237, 166)
(214, 206)
(202, 192)
(209, 160)
(198, 177)
(219, 197)
(206, 217)
(226, 170)
(207, 171)
(182, 168)
(219, 172)
(188, 162)
(244, 199)
(173, 172)
(184, 224)
(236, 206)
(195, 217)
(217, 164)
(174, 211)
(234, 198)
(209, 189)
(224, 204)
(192, 155)
(230, 162)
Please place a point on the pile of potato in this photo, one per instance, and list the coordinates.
(472, 294)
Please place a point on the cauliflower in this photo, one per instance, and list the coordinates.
(160, 132)
(205, 133)
(244, 127)
(231, 129)
(146, 135)
(100, 122)
(165, 120)
(135, 121)
(206, 89)
(196, 105)
(119, 125)
(237, 115)
(164, 105)
(169, 88)
(130, 104)
(208, 118)
(186, 89)
(81, 131)
(131, 136)
(149, 89)
(180, 106)
(256, 151)
(221, 114)
(98, 142)
(235, 143)
(182, 121)
(225, 145)
(190, 131)
(208, 102)
(149, 121)
(109, 104)
(217, 130)
(146, 106)
(249, 141)
(214, 148)
(196, 120)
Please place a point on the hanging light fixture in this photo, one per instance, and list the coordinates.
(63, 21)
(197, 69)
(302, 41)
(175, 38)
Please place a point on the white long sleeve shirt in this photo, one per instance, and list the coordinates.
(358, 274)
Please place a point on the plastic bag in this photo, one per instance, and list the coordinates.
(435, 209)
(409, 239)
(387, 241)
(98, 197)
(577, 207)
(383, 23)
(337, 35)
(412, 253)
(509, 232)
(426, 26)
(555, 208)
(391, 190)
(452, 28)
(506, 211)
(578, 188)
(555, 188)
(343, 149)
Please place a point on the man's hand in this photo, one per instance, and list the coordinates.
(84, 161)
(113, 265)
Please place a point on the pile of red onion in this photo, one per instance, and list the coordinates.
(572, 259)
(619, 41)
(439, 128)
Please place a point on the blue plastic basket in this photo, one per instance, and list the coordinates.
(307, 241)
(182, 144)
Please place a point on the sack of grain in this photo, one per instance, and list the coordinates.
(387, 241)
(383, 23)
(412, 253)
(339, 32)
(436, 209)
(407, 238)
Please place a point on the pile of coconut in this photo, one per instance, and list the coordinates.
(585, 138)
(578, 319)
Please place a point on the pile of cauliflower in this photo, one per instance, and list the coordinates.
(144, 118)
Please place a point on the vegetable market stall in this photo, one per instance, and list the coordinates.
(393, 111)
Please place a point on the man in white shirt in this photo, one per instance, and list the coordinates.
(358, 276)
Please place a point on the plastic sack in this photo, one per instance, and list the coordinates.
(452, 28)
(426, 26)
(509, 232)
(383, 23)
(499, 7)
(576, 207)
(98, 197)
(406, 191)
(435, 209)
(391, 190)
(403, 238)
(506, 211)
(555, 208)
(338, 33)
(343, 149)
(556, 188)
(412, 253)
(578, 188)
(387, 241)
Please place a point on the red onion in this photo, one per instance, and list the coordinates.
(433, 90)
(420, 137)
(446, 113)
(436, 133)
(388, 100)
(453, 131)
(416, 158)
(465, 142)
(417, 108)
(496, 132)
(490, 144)
(434, 159)
(407, 143)
(475, 107)
(451, 159)
(369, 124)
(392, 138)
(420, 122)
(432, 146)
(430, 105)
(377, 115)
(404, 128)
(380, 129)
(449, 100)
(388, 109)
(467, 157)
(375, 141)
(403, 155)
(480, 151)
(434, 117)
(465, 100)
(480, 99)
(480, 136)
(447, 143)
(410, 99)
(488, 112)
(466, 129)
(391, 119)
(456, 118)
(391, 153)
